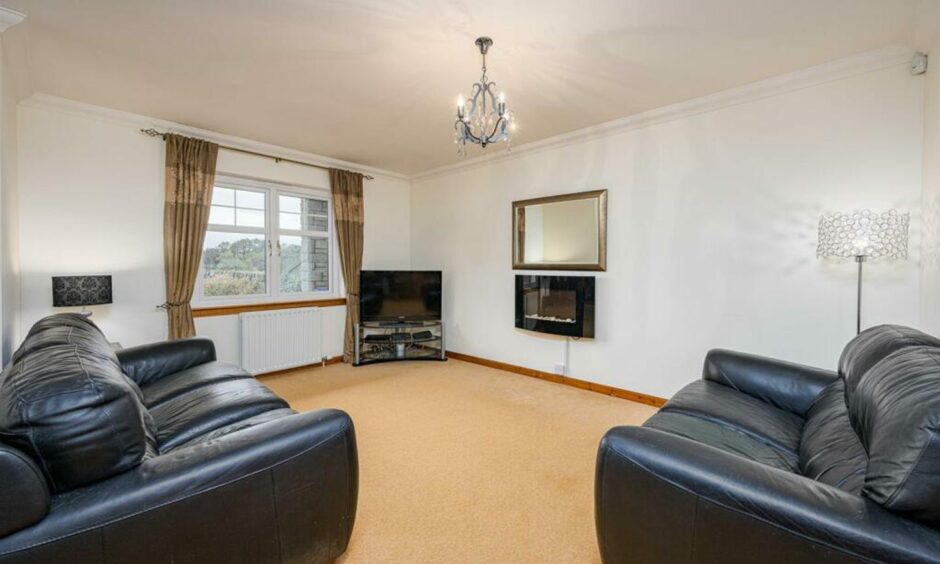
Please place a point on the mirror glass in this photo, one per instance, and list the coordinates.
(561, 232)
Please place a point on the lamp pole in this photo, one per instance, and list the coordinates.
(860, 259)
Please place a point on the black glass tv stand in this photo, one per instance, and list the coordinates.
(385, 341)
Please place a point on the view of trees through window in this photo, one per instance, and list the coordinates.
(233, 265)
(240, 239)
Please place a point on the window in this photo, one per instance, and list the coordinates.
(265, 241)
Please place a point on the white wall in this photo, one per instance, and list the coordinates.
(91, 201)
(711, 228)
(929, 42)
(9, 213)
(712, 232)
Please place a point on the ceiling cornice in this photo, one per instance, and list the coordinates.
(828, 72)
(9, 18)
(55, 103)
(836, 70)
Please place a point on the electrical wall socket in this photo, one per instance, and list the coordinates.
(560, 369)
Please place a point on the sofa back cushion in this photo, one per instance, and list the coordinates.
(65, 402)
(874, 344)
(830, 450)
(895, 408)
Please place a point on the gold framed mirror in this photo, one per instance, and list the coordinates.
(566, 232)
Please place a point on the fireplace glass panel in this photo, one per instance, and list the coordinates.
(562, 305)
(552, 305)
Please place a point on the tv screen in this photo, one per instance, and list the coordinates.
(400, 295)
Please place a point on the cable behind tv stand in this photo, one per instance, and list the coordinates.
(385, 341)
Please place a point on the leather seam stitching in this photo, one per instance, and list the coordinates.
(738, 511)
(339, 433)
(94, 386)
(726, 377)
(22, 405)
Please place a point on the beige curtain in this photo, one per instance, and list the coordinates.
(190, 174)
(346, 187)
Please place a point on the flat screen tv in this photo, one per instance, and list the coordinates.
(400, 295)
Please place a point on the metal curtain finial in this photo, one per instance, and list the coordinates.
(152, 132)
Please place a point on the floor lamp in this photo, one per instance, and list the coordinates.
(863, 235)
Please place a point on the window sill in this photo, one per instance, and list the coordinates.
(215, 311)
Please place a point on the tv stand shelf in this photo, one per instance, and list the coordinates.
(380, 341)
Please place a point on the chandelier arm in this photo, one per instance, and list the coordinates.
(489, 137)
(493, 101)
(467, 134)
(476, 90)
(472, 137)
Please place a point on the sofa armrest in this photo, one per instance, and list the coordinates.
(786, 385)
(284, 490)
(662, 498)
(24, 492)
(148, 363)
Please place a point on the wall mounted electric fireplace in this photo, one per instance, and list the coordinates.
(561, 305)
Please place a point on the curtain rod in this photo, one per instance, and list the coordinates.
(154, 133)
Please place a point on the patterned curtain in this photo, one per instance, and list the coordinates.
(346, 187)
(190, 174)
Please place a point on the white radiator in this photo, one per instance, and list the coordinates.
(280, 339)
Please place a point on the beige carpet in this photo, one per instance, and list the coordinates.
(462, 463)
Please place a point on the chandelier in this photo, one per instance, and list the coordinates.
(486, 120)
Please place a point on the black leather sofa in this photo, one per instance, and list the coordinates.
(767, 461)
(160, 453)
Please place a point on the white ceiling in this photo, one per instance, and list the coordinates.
(375, 81)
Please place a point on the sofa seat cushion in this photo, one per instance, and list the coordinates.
(177, 384)
(746, 414)
(240, 425)
(830, 451)
(207, 408)
(723, 437)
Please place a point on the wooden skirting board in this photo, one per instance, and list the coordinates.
(558, 379)
(333, 360)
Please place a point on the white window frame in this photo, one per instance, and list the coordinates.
(271, 233)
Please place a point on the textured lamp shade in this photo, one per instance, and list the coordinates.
(864, 234)
(68, 291)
